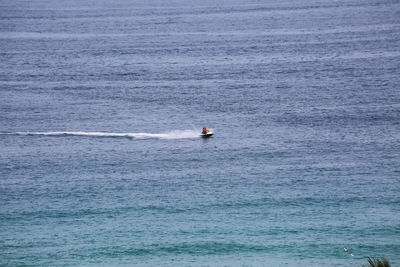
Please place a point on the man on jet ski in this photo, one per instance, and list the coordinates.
(204, 130)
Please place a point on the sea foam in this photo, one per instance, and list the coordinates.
(176, 134)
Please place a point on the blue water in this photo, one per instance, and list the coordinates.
(102, 103)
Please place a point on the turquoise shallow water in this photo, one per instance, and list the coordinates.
(101, 105)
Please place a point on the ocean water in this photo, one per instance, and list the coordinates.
(102, 103)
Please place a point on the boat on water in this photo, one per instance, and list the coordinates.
(206, 133)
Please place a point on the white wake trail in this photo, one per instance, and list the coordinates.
(169, 135)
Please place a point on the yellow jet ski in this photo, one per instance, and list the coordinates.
(206, 133)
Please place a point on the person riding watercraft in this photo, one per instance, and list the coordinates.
(206, 133)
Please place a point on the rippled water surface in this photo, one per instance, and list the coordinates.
(102, 103)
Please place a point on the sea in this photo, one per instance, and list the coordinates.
(101, 108)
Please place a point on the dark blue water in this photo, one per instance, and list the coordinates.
(101, 104)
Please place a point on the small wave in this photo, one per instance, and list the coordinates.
(196, 248)
(169, 135)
